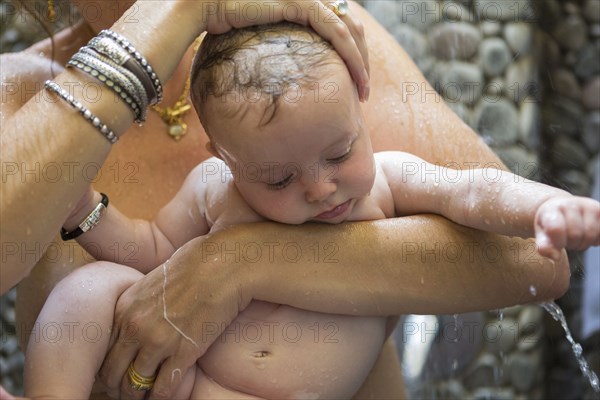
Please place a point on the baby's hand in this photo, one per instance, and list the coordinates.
(567, 222)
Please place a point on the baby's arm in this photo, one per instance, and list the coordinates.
(145, 244)
(493, 200)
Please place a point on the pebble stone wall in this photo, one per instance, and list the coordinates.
(525, 74)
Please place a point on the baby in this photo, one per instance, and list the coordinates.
(291, 146)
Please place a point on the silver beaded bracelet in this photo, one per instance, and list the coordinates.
(108, 47)
(120, 81)
(146, 67)
(86, 113)
(140, 93)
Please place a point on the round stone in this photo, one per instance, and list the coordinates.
(520, 79)
(454, 41)
(571, 32)
(411, 40)
(494, 56)
(497, 122)
(459, 82)
(564, 82)
(490, 28)
(562, 116)
(587, 65)
(529, 123)
(591, 131)
(524, 370)
(519, 36)
(591, 94)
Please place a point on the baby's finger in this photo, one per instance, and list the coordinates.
(575, 232)
(591, 226)
(553, 226)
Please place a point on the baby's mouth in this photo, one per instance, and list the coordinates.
(336, 211)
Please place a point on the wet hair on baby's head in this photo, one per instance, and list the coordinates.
(262, 65)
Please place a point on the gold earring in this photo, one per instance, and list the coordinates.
(51, 11)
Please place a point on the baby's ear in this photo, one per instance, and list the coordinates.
(211, 149)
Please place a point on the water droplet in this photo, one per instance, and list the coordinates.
(533, 290)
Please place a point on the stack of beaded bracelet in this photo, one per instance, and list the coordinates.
(145, 67)
(112, 60)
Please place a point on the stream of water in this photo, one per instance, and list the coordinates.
(559, 316)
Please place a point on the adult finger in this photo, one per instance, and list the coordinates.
(331, 27)
(236, 14)
(346, 35)
(120, 355)
(356, 28)
(140, 376)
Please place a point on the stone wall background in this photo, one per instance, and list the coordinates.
(524, 74)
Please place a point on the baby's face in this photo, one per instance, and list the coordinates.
(311, 162)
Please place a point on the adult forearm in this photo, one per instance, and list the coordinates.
(421, 264)
(48, 162)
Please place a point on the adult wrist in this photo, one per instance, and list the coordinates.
(173, 26)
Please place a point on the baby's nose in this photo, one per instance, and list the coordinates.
(320, 191)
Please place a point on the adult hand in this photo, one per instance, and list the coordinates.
(167, 320)
(346, 33)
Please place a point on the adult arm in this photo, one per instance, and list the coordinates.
(321, 268)
(388, 267)
(65, 141)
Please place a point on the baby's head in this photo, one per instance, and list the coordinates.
(281, 109)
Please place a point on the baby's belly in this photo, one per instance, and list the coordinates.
(281, 352)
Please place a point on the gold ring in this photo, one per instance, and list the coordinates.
(339, 7)
(138, 381)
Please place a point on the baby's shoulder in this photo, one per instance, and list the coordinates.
(218, 195)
